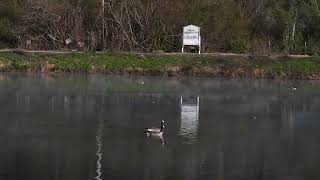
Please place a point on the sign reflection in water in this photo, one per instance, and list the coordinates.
(189, 119)
(99, 142)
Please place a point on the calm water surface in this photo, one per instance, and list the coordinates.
(91, 127)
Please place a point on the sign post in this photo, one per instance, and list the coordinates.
(191, 37)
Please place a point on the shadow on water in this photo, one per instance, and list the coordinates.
(91, 127)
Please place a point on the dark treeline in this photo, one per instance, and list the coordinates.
(291, 26)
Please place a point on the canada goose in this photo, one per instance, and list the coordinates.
(155, 131)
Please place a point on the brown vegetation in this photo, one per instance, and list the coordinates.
(260, 26)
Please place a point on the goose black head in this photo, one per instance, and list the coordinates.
(162, 125)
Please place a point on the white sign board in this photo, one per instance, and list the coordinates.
(191, 37)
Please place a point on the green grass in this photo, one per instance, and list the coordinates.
(111, 62)
(296, 67)
(226, 66)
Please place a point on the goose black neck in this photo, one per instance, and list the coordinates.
(161, 126)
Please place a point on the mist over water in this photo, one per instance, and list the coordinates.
(64, 127)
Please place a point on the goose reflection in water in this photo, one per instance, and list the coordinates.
(157, 138)
(189, 119)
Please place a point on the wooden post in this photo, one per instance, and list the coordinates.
(19, 42)
(199, 44)
(305, 48)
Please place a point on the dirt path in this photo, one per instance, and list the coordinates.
(169, 54)
(40, 52)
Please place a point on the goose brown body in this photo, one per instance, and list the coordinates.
(155, 131)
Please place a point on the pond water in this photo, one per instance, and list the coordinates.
(62, 127)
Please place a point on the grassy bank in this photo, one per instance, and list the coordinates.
(162, 64)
